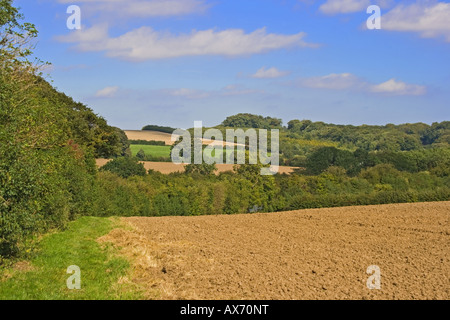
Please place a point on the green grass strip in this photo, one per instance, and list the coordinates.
(154, 151)
(45, 276)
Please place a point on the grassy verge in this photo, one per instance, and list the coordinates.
(44, 276)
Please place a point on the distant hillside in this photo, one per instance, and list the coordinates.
(390, 137)
(301, 138)
(404, 137)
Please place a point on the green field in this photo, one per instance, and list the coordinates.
(43, 275)
(154, 151)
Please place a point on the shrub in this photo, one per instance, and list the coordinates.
(125, 167)
(141, 154)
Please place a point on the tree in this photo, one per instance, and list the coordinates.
(47, 142)
(141, 154)
(326, 157)
(250, 190)
(152, 127)
(125, 167)
(297, 125)
(247, 120)
(30, 188)
(123, 142)
(203, 169)
(15, 37)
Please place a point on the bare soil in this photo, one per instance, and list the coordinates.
(306, 254)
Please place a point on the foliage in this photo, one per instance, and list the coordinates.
(390, 137)
(436, 160)
(124, 143)
(302, 138)
(326, 157)
(15, 37)
(152, 127)
(125, 167)
(148, 143)
(203, 169)
(47, 143)
(246, 120)
(140, 154)
(246, 190)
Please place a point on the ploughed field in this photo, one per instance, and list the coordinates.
(306, 254)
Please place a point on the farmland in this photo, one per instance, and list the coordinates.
(305, 254)
(155, 151)
(164, 152)
(149, 136)
(90, 211)
(169, 167)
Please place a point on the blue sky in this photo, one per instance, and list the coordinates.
(173, 62)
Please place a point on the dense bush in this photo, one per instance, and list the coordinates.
(125, 167)
(124, 143)
(47, 143)
(245, 190)
(203, 169)
(247, 120)
(326, 157)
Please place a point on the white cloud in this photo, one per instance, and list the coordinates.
(333, 7)
(270, 73)
(348, 81)
(395, 87)
(430, 19)
(145, 43)
(344, 6)
(107, 92)
(87, 36)
(140, 8)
